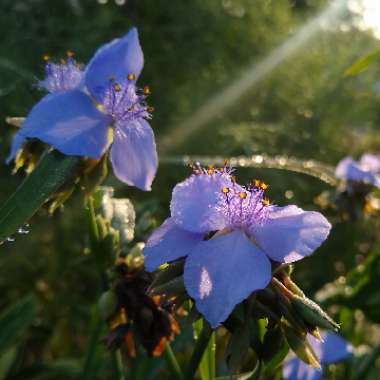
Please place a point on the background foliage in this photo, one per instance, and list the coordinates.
(304, 108)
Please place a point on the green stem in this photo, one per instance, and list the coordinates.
(90, 364)
(368, 363)
(118, 365)
(200, 347)
(172, 361)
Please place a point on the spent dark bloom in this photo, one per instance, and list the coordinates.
(333, 348)
(88, 109)
(139, 315)
(230, 234)
(366, 170)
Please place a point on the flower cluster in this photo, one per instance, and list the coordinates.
(230, 234)
(89, 108)
(366, 170)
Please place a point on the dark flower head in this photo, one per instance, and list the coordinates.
(88, 110)
(333, 348)
(139, 316)
(247, 233)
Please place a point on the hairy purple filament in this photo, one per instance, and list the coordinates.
(124, 103)
(243, 207)
(63, 76)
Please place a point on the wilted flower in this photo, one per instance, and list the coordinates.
(366, 170)
(84, 106)
(331, 349)
(230, 234)
(136, 314)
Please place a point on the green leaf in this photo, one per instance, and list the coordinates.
(362, 64)
(53, 170)
(15, 320)
(207, 365)
(274, 347)
(6, 360)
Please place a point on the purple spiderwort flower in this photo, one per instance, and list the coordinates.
(332, 349)
(246, 234)
(366, 170)
(84, 105)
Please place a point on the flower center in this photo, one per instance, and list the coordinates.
(124, 102)
(244, 206)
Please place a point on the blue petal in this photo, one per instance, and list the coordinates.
(370, 162)
(133, 154)
(167, 243)
(223, 271)
(290, 233)
(116, 60)
(194, 202)
(350, 170)
(69, 122)
(295, 369)
(333, 348)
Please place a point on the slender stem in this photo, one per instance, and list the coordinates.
(172, 361)
(118, 365)
(368, 364)
(199, 349)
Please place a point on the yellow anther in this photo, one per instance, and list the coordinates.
(70, 53)
(266, 202)
(264, 186)
(131, 77)
(256, 183)
(210, 169)
(117, 87)
(225, 190)
(242, 195)
(150, 109)
(63, 61)
(147, 90)
(46, 57)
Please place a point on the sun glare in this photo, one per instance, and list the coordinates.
(369, 12)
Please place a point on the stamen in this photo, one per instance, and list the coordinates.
(210, 170)
(225, 190)
(70, 53)
(242, 195)
(131, 77)
(147, 90)
(46, 57)
(117, 87)
(63, 61)
(266, 201)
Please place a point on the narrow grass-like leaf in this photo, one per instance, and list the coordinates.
(363, 63)
(53, 170)
(15, 320)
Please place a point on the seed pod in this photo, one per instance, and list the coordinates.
(313, 314)
(107, 304)
(301, 347)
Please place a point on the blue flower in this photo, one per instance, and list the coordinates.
(88, 109)
(246, 234)
(332, 349)
(366, 170)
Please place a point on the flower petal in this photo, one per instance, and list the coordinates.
(296, 369)
(350, 170)
(67, 121)
(290, 233)
(370, 162)
(223, 271)
(116, 60)
(167, 243)
(333, 348)
(133, 154)
(194, 202)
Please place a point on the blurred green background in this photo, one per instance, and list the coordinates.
(297, 103)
